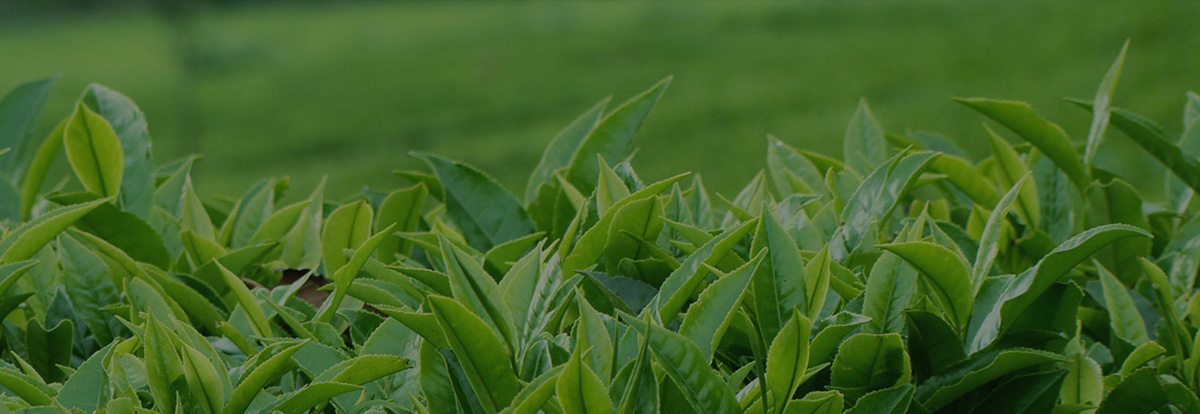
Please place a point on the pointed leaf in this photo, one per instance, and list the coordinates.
(94, 151)
(706, 320)
(1100, 114)
(1048, 137)
(483, 355)
(702, 387)
(611, 137)
(863, 147)
(946, 273)
(26, 240)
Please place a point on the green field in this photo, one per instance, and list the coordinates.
(349, 89)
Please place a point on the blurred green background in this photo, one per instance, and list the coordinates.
(347, 89)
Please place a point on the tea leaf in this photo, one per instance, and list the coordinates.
(487, 214)
(25, 241)
(1100, 113)
(686, 365)
(19, 110)
(863, 146)
(946, 273)
(580, 390)
(787, 359)
(94, 151)
(1046, 136)
(610, 138)
(483, 355)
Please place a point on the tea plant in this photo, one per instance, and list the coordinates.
(905, 279)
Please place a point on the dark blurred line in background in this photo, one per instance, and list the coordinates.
(348, 88)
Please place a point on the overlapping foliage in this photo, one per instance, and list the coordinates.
(907, 279)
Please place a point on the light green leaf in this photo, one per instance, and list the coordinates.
(702, 387)
(1009, 170)
(965, 177)
(873, 201)
(988, 242)
(611, 137)
(1140, 356)
(787, 359)
(163, 365)
(1123, 315)
(817, 402)
(484, 357)
(1033, 282)
(535, 394)
(500, 259)
(946, 273)
(344, 276)
(679, 286)
(363, 369)
(1048, 137)
(403, 208)
(86, 389)
(26, 240)
(204, 383)
(591, 244)
(610, 188)
(780, 284)
(707, 319)
(192, 215)
(312, 395)
(1084, 383)
(894, 400)
(279, 222)
(1100, 113)
(579, 389)
(474, 288)
(137, 183)
(248, 215)
(889, 287)
(791, 172)
(40, 165)
(347, 227)
(633, 222)
(868, 362)
(592, 336)
(94, 152)
(256, 380)
(301, 247)
(26, 388)
(254, 310)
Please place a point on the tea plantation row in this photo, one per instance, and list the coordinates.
(906, 278)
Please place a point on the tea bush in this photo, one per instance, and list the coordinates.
(905, 278)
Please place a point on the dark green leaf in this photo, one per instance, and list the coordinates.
(1141, 392)
(863, 146)
(487, 214)
(19, 112)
